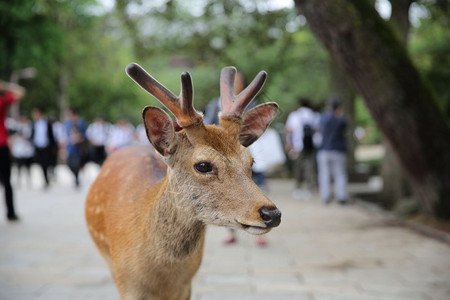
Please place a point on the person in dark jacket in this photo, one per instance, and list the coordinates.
(331, 158)
(44, 142)
(76, 143)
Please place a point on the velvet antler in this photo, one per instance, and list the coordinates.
(181, 106)
(232, 105)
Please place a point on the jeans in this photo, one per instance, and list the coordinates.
(331, 165)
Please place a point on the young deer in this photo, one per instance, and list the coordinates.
(147, 212)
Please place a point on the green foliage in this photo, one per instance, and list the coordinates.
(363, 119)
(430, 47)
(67, 40)
(233, 33)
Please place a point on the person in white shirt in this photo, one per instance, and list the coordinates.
(97, 134)
(300, 127)
(21, 147)
(141, 135)
(121, 135)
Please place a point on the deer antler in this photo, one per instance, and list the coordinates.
(233, 106)
(181, 106)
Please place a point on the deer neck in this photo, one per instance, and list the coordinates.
(178, 232)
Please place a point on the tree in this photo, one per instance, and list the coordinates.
(430, 48)
(395, 184)
(399, 100)
(232, 32)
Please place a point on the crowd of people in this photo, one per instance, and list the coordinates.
(46, 141)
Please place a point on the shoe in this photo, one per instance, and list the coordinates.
(230, 240)
(343, 202)
(261, 242)
(13, 218)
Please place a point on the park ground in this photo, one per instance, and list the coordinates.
(318, 252)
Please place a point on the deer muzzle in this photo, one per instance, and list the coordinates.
(271, 216)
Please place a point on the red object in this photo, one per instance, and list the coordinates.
(6, 99)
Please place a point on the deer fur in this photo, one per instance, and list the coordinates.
(147, 210)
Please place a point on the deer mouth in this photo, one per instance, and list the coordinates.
(252, 229)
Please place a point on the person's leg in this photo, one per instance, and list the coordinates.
(40, 160)
(323, 176)
(309, 171)
(231, 237)
(340, 176)
(46, 163)
(5, 178)
(298, 171)
(73, 161)
(102, 154)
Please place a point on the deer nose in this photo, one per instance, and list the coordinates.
(271, 216)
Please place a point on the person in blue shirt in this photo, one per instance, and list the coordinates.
(76, 145)
(331, 158)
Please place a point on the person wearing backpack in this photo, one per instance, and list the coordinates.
(300, 128)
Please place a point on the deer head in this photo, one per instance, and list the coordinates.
(209, 167)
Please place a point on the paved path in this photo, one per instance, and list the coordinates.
(318, 252)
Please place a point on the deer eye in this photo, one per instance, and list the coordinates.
(203, 167)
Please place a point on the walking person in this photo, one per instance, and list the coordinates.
(76, 144)
(332, 154)
(44, 143)
(97, 134)
(22, 149)
(122, 134)
(300, 127)
(141, 135)
(9, 93)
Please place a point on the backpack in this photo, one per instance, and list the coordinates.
(308, 144)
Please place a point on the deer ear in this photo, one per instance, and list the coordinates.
(255, 121)
(160, 129)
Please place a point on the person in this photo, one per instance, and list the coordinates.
(141, 135)
(22, 149)
(300, 127)
(97, 135)
(122, 134)
(9, 93)
(76, 144)
(44, 143)
(332, 153)
(212, 109)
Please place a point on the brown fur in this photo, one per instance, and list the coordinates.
(148, 221)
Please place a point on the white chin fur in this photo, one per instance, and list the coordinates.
(257, 230)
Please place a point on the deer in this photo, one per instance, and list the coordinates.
(149, 206)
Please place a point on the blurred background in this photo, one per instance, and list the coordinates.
(73, 54)
(387, 61)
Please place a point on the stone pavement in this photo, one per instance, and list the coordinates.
(318, 252)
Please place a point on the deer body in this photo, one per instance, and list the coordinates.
(147, 213)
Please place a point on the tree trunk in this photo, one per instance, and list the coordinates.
(395, 184)
(403, 106)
